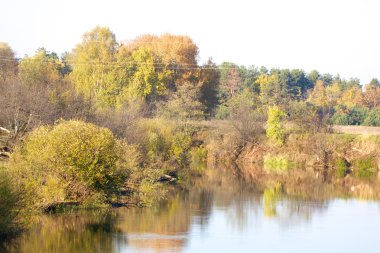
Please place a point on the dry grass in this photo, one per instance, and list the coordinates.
(363, 130)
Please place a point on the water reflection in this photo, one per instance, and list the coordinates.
(271, 196)
(76, 232)
(166, 226)
(188, 221)
(290, 211)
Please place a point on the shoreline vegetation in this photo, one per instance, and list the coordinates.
(111, 125)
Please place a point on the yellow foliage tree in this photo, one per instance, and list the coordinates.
(318, 95)
(371, 96)
(333, 93)
(96, 73)
(270, 89)
(177, 53)
(39, 70)
(146, 80)
(351, 97)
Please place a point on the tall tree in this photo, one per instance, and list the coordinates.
(8, 62)
(42, 69)
(231, 80)
(318, 94)
(146, 80)
(94, 65)
(371, 96)
(270, 89)
(300, 84)
(177, 53)
(352, 97)
(333, 93)
(250, 76)
(208, 82)
(314, 76)
(184, 104)
(374, 82)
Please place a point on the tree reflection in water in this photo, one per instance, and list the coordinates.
(168, 226)
(289, 211)
(74, 232)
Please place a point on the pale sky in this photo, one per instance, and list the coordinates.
(335, 36)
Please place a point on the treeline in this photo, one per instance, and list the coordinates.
(108, 122)
(102, 81)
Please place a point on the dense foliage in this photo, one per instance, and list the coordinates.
(70, 161)
(112, 117)
(10, 202)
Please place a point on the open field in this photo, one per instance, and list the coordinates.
(364, 130)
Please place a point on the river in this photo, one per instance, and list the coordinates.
(224, 220)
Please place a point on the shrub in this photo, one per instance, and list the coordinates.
(355, 116)
(9, 205)
(373, 118)
(167, 142)
(341, 119)
(69, 161)
(276, 164)
(358, 115)
(341, 166)
(156, 146)
(244, 100)
(275, 129)
(305, 117)
(180, 147)
(364, 168)
(222, 112)
(198, 158)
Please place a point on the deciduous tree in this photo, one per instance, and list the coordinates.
(8, 62)
(42, 69)
(94, 65)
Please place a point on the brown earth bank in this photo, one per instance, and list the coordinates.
(309, 165)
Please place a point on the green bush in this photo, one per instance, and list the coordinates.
(341, 119)
(275, 129)
(198, 158)
(358, 115)
(179, 148)
(364, 168)
(373, 118)
(70, 161)
(243, 100)
(276, 164)
(355, 116)
(167, 142)
(222, 112)
(9, 205)
(341, 167)
(156, 146)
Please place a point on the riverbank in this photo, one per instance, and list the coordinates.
(50, 165)
(307, 164)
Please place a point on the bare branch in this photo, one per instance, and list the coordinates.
(5, 130)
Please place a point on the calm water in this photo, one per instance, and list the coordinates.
(207, 221)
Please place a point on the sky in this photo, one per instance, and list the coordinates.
(335, 36)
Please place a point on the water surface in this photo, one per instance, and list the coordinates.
(209, 221)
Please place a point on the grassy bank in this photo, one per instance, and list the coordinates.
(74, 163)
(307, 164)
